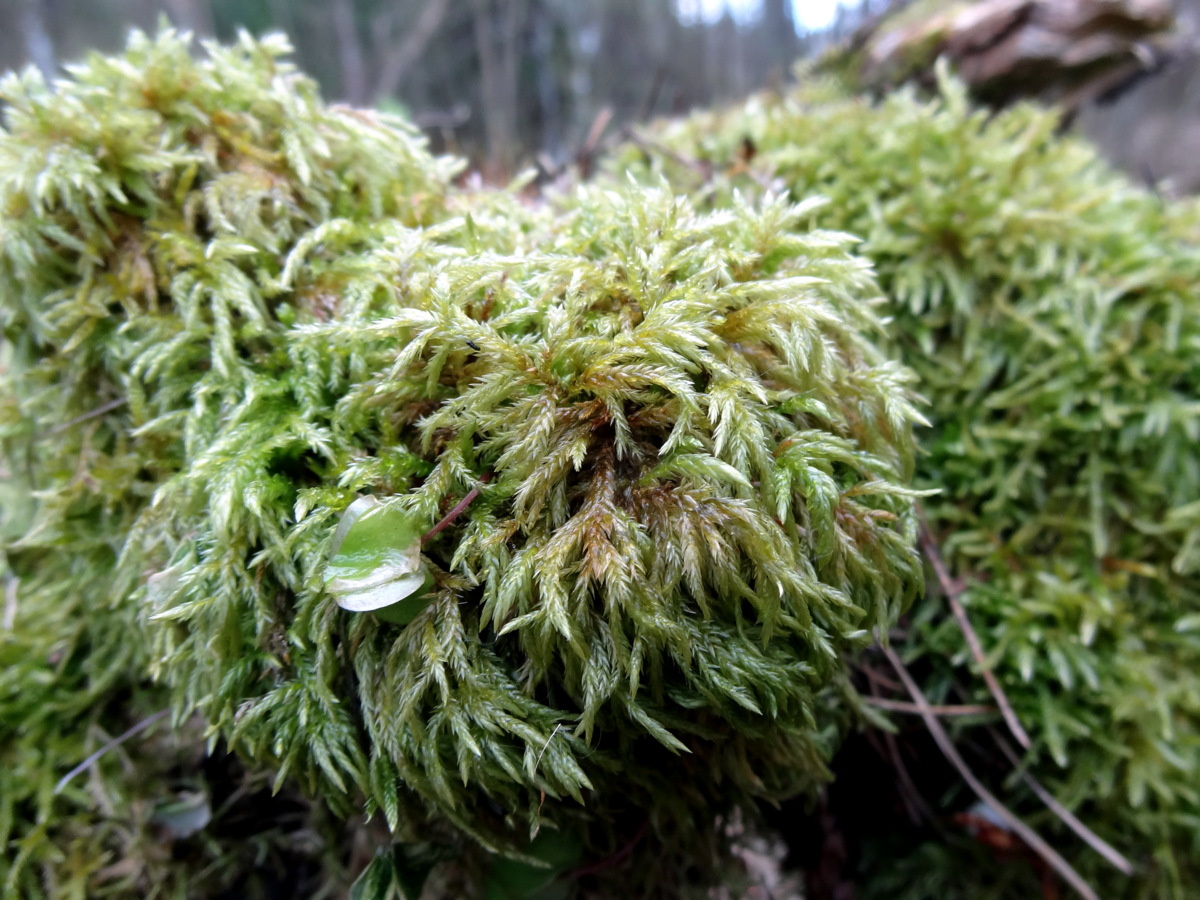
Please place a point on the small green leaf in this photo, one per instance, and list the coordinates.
(375, 562)
(182, 817)
(1188, 623)
(161, 586)
(398, 872)
(510, 879)
(378, 880)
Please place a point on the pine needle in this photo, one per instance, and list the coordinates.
(115, 742)
(1023, 831)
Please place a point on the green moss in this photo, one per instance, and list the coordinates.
(150, 202)
(1049, 309)
(232, 310)
(697, 504)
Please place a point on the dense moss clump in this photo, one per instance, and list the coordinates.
(1049, 309)
(230, 311)
(148, 204)
(696, 506)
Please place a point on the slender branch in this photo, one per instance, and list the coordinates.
(917, 808)
(901, 706)
(1092, 839)
(647, 107)
(597, 130)
(877, 677)
(1023, 831)
(648, 143)
(11, 585)
(349, 51)
(397, 63)
(953, 591)
(115, 742)
(98, 411)
(609, 861)
(588, 152)
(458, 508)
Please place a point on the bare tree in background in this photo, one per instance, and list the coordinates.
(38, 46)
(350, 55)
(505, 80)
(396, 56)
(498, 27)
(779, 40)
(192, 15)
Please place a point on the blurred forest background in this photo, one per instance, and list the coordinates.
(503, 81)
(509, 83)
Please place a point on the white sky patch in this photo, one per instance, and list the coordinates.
(712, 10)
(813, 14)
(809, 14)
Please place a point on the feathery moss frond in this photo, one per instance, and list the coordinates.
(1048, 307)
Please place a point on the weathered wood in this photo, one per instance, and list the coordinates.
(1011, 48)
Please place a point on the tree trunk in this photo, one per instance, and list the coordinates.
(779, 36)
(39, 48)
(350, 52)
(408, 51)
(192, 15)
(499, 58)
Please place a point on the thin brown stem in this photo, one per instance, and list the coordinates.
(458, 508)
(1023, 831)
(953, 591)
(115, 742)
(98, 411)
(588, 152)
(406, 52)
(901, 706)
(918, 810)
(1090, 837)
(877, 677)
(648, 143)
(609, 861)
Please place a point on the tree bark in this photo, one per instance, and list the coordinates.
(39, 48)
(498, 65)
(192, 15)
(350, 52)
(408, 51)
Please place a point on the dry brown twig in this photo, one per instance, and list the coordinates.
(459, 507)
(115, 742)
(587, 153)
(1023, 831)
(953, 590)
(918, 810)
(648, 143)
(92, 414)
(975, 709)
(1090, 837)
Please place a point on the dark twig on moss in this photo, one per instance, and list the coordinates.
(878, 678)
(458, 508)
(115, 742)
(91, 414)
(1090, 837)
(646, 142)
(974, 709)
(1023, 831)
(918, 809)
(615, 859)
(953, 590)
